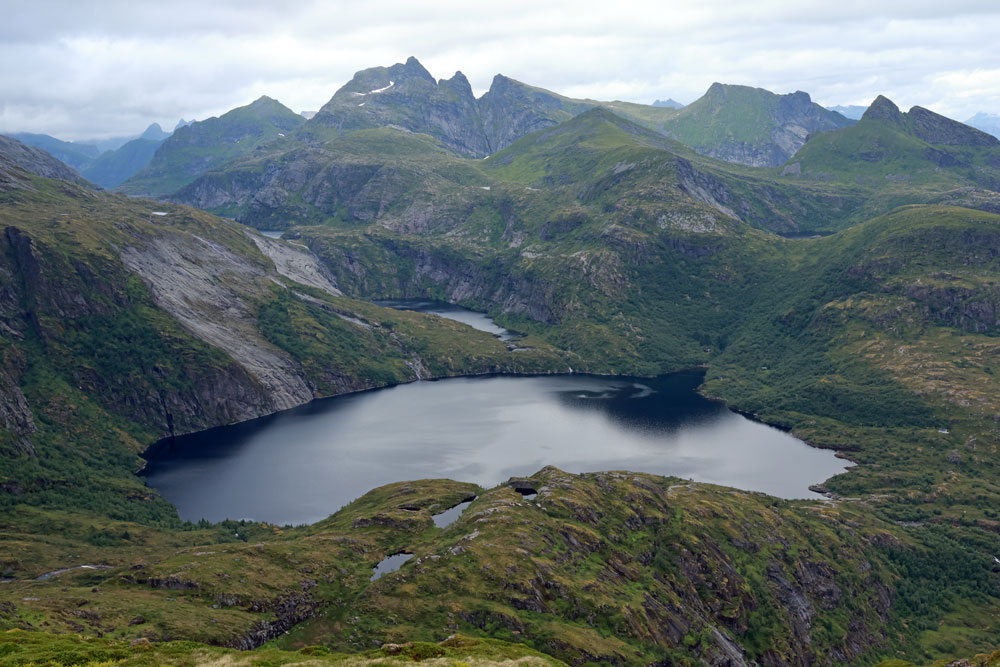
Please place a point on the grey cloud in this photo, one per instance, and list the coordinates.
(111, 67)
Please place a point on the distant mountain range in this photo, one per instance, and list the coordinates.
(739, 124)
(853, 111)
(106, 162)
(987, 122)
(199, 146)
(735, 123)
(75, 155)
(669, 103)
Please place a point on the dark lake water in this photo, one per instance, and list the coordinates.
(474, 319)
(303, 464)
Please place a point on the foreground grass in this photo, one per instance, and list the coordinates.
(39, 648)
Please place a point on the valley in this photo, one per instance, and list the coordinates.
(836, 280)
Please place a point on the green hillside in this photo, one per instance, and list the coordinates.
(615, 250)
(200, 146)
(897, 151)
(748, 125)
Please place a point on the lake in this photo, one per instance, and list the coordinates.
(301, 465)
(474, 319)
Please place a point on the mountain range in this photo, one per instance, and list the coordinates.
(755, 126)
(849, 294)
(107, 162)
(987, 122)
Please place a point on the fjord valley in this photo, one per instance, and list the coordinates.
(839, 280)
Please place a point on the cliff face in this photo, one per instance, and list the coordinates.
(750, 126)
(406, 95)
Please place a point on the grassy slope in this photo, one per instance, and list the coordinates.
(39, 648)
(602, 567)
(202, 145)
(805, 332)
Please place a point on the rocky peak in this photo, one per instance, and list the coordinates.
(669, 103)
(883, 109)
(154, 132)
(501, 84)
(413, 69)
(716, 90)
(937, 129)
(459, 83)
(266, 104)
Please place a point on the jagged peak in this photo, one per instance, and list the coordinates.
(459, 82)
(883, 109)
(501, 81)
(154, 131)
(937, 129)
(413, 68)
(669, 103)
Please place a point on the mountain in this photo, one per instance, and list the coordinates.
(307, 114)
(78, 156)
(670, 103)
(18, 160)
(892, 150)
(409, 181)
(615, 250)
(153, 132)
(160, 320)
(202, 145)
(114, 167)
(750, 125)
(406, 95)
(987, 122)
(853, 111)
(182, 123)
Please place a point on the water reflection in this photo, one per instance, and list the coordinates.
(303, 464)
(474, 319)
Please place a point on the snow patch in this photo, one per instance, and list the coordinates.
(484, 187)
(280, 134)
(157, 212)
(362, 104)
(377, 90)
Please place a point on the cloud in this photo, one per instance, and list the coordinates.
(89, 70)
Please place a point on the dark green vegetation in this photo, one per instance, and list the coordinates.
(617, 250)
(902, 152)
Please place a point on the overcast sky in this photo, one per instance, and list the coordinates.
(78, 69)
